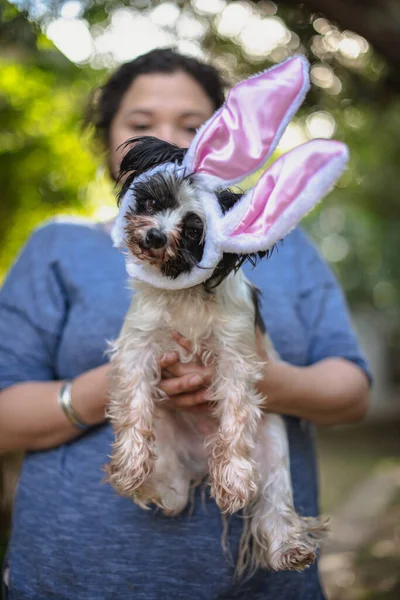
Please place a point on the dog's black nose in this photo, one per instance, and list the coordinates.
(155, 238)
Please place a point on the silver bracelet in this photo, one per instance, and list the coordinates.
(65, 403)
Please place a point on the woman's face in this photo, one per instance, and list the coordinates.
(169, 106)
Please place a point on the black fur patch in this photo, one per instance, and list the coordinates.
(227, 199)
(145, 153)
(157, 194)
(190, 248)
(258, 321)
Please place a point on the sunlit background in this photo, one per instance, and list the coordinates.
(53, 52)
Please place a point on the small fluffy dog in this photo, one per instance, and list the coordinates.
(186, 236)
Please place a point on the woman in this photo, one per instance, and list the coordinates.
(66, 295)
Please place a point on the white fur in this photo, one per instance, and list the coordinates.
(159, 454)
(212, 254)
(129, 201)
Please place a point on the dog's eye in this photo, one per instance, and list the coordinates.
(193, 232)
(193, 227)
(152, 204)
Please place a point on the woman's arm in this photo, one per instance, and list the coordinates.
(31, 419)
(332, 391)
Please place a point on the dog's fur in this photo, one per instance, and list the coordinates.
(158, 453)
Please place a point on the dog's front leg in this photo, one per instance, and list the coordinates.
(131, 413)
(234, 480)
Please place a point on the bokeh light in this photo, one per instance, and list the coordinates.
(72, 37)
(320, 124)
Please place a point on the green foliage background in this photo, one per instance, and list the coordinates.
(47, 166)
(45, 162)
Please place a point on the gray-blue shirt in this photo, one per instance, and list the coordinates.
(72, 535)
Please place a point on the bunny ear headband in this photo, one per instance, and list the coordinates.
(236, 141)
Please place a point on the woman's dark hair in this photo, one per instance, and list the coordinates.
(105, 101)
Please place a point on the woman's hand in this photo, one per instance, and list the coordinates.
(185, 383)
(331, 392)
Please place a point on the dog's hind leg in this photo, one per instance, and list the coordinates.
(281, 539)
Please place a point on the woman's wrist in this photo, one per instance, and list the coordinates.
(89, 395)
(280, 387)
(65, 403)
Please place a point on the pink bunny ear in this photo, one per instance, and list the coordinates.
(283, 195)
(241, 135)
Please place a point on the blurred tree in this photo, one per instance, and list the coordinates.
(44, 168)
(353, 50)
(378, 22)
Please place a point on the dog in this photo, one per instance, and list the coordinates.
(186, 236)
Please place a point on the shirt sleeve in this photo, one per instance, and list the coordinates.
(324, 312)
(32, 312)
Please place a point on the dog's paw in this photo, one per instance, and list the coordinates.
(282, 542)
(233, 484)
(129, 471)
(293, 558)
(297, 548)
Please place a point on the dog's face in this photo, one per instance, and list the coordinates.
(165, 224)
(166, 227)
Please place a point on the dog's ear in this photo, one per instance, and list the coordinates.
(240, 136)
(287, 190)
(227, 199)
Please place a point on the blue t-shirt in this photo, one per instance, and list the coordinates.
(72, 535)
